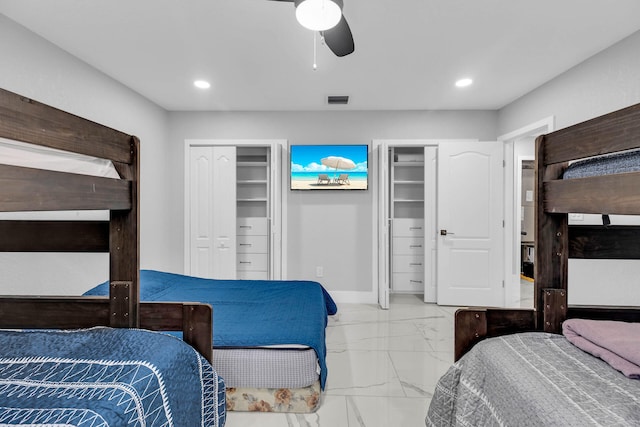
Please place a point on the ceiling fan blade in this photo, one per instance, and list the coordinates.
(339, 38)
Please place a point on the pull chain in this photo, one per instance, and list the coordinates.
(315, 52)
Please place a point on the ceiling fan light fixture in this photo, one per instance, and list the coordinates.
(318, 15)
(202, 84)
(464, 82)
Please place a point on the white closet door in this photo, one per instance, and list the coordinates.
(430, 223)
(275, 214)
(383, 233)
(213, 212)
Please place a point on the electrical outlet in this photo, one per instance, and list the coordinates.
(319, 271)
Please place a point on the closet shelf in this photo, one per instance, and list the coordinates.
(251, 164)
(251, 181)
(252, 199)
(409, 182)
(408, 164)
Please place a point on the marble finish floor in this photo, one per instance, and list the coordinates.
(383, 366)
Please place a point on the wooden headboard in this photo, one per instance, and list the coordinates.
(27, 189)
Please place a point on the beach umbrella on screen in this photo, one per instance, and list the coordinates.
(336, 163)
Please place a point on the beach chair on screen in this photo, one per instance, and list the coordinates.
(343, 178)
(323, 177)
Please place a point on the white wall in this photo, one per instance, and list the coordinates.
(33, 67)
(328, 229)
(605, 82)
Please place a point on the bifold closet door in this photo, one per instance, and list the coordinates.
(213, 211)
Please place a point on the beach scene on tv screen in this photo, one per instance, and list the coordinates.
(328, 167)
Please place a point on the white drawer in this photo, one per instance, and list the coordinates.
(252, 275)
(252, 244)
(251, 226)
(407, 282)
(408, 227)
(252, 262)
(408, 264)
(408, 245)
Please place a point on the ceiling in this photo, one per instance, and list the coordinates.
(257, 57)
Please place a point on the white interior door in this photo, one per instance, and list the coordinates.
(383, 232)
(470, 222)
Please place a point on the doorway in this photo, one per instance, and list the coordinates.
(519, 148)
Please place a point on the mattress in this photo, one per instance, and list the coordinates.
(628, 161)
(21, 154)
(533, 379)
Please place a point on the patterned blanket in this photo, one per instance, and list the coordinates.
(533, 379)
(106, 377)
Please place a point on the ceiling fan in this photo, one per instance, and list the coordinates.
(326, 16)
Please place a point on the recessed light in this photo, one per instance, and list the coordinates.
(202, 84)
(464, 82)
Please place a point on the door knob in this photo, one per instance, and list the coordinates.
(445, 232)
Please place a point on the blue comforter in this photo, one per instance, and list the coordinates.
(249, 313)
(106, 377)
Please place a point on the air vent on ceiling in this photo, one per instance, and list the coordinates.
(338, 100)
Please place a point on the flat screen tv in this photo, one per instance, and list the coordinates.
(329, 167)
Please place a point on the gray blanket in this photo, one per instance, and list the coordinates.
(533, 379)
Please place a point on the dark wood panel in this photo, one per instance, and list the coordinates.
(197, 328)
(621, 314)
(26, 120)
(53, 312)
(475, 324)
(470, 328)
(508, 321)
(54, 236)
(599, 242)
(124, 242)
(551, 243)
(193, 319)
(554, 310)
(609, 194)
(26, 189)
(616, 131)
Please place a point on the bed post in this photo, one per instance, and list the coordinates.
(470, 327)
(124, 242)
(197, 328)
(551, 250)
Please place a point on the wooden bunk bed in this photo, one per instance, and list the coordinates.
(556, 241)
(29, 189)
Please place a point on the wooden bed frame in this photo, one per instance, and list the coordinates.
(556, 241)
(26, 189)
